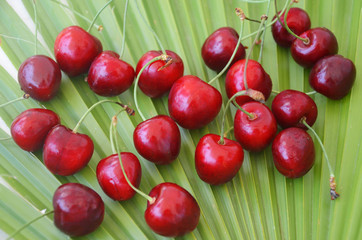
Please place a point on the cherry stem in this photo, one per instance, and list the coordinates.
(36, 27)
(263, 37)
(98, 13)
(275, 92)
(311, 93)
(124, 29)
(151, 29)
(25, 96)
(114, 123)
(5, 139)
(27, 224)
(228, 131)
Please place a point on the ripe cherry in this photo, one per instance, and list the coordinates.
(78, 210)
(155, 81)
(215, 162)
(333, 76)
(111, 179)
(293, 152)
(290, 107)
(254, 134)
(321, 42)
(174, 211)
(219, 47)
(192, 103)
(158, 139)
(31, 127)
(40, 77)
(110, 76)
(75, 49)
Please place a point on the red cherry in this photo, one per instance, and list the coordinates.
(154, 82)
(175, 211)
(193, 103)
(293, 152)
(66, 152)
(219, 47)
(78, 210)
(255, 134)
(158, 139)
(322, 42)
(110, 76)
(217, 163)
(333, 76)
(40, 77)
(111, 179)
(75, 49)
(298, 21)
(31, 127)
(290, 107)
(257, 79)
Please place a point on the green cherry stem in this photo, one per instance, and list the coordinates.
(124, 29)
(36, 27)
(228, 131)
(263, 37)
(98, 13)
(275, 92)
(25, 96)
(311, 93)
(5, 139)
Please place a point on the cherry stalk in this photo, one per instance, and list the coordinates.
(24, 97)
(96, 16)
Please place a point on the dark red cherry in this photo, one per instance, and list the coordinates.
(158, 139)
(322, 42)
(290, 107)
(174, 212)
(257, 79)
(333, 76)
(293, 152)
(111, 179)
(219, 47)
(66, 152)
(298, 21)
(193, 103)
(154, 82)
(255, 134)
(31, 127)
(78, 210)
(75, 49)
(217, 163)
(40, 77)
(110, 76)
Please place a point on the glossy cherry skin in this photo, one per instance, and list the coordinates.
(31, 127)
(298, 21)
(78, 210)
(217, 163)
(257, 133)
(111, 179)
(66, 152)
(257, 79)
(333, 76)
(75, 49)
(154, 82)
(193, 103)
(158, 139)
(322, 42)
(110, 76)
(293, 152)
(219, 47)
(175, 211)
(290, 106)
(40, 77)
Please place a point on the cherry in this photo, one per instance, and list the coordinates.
(219, 47)
(174, 211)
(297, 20)
(257, 79)
(154, 81)
(333, 76)
(217, 163)
(78, 210)
(111, 179)
(290, 107)
(293, 152)
(192, 103)
(321, 42)
(158, 139)
(31, 127)
(75, 49)
(254, 134)
(40, 77)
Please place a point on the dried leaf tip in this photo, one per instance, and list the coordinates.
(333, 185)
(167, 59)
(100, 28)
(240, 13)
(256, 95)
